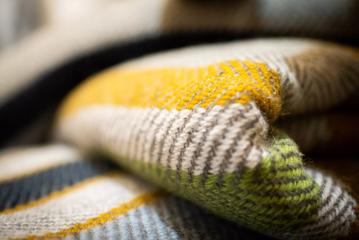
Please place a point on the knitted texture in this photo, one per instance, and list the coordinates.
(199, 122)
(64, 194)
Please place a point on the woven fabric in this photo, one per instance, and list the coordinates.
(285, 17)
(62, 54)
(199, 122)
(64, 194)
(234, 136)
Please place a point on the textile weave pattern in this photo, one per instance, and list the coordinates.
(199, 122)
(64, 194)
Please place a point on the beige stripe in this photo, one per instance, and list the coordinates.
(105, 217)
(53, 195)
(20, 162)
(106, 127)
(72, 207)
(270, 51)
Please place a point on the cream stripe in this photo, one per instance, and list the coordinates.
(73, 208)
(20, 162)
(144, 134)
(105, 127)
(334, 193)
(195, 125)
(338, 211)
(147, 140)
(135, 131)
(172, 137)
(163, 124)
(261, 50)
(52, 196)
(270, 51)
(314, 75)
(247, 135)
(104, 217)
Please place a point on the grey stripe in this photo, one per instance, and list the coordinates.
(217, 142)
(335, 225)
(154, 140)
(188, 141)
(197, 153)
(244, 159)
(177, 133)
(230, 150)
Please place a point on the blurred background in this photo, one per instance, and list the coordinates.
(18, 18)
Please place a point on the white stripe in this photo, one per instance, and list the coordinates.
(167, 117)
(108, 128)
(261, 50)
(333, 191)
(74, 207)
(18, 162)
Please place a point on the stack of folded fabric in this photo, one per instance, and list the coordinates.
(209, 141)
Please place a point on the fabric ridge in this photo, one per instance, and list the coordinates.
(180, 120)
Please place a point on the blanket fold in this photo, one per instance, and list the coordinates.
(63, 193)
(182, 119)
(199, 122)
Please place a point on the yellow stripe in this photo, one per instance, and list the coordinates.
(182, 88)
(56, 195)
(104, 217)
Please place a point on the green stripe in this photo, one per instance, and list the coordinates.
(266, 199)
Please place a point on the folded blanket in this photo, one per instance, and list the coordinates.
(36, 74)
(200, 122)
(56, 192)
(232, 130)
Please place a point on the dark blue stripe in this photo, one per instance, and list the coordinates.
(35, 186)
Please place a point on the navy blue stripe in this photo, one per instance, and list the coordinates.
(41, 184)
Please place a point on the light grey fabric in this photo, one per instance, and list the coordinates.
(18, 18)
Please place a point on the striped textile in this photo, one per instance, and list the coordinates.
(184, 119)
(64, 194)
(199, 122)
(145, 26)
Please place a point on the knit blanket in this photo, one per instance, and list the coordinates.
(214, 140)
